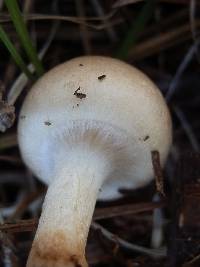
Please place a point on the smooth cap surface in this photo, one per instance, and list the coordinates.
(88, 94)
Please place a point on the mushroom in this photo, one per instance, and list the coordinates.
(87, 129)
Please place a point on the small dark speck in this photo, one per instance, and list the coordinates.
(81, 65)
(79, 94)
(102, 77)
(146, 138)
(48, 123)
(22, 117)
(77, 105)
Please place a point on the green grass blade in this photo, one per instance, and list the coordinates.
(22, 31)
(14, 53)
(136, 28)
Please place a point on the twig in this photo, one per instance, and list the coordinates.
(153, 45)
(191, 262)
(123, 210)
(156, 253)
(20, 226)
(100, 12)
(174, 83)
(80, 20)
(101, 213)
(158, 172)
(187, 128)
(121, 3)
(9, 250)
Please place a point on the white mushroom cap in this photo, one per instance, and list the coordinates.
(98, 110)
(124, 104)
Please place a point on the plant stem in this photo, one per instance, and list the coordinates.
(22, 31)
(14, 53)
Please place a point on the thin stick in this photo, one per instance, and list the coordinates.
(158, 172)
(102, 213)
(187, 128)
(156, 253)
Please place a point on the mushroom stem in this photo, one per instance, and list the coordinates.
(67, 212)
